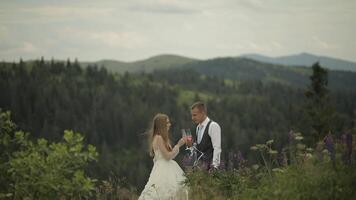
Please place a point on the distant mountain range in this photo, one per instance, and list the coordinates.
(167, 61)
(244, 69)
(291, 70)
(148, 65)
(306, 59)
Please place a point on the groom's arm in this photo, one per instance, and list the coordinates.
(215, 135)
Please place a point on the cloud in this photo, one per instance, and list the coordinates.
(28, 48)
(3, 32)
(52, 13)
(123, 39)
(251, 46)
(68, 11)
(322, 44)
(250, 4)
(163, 7)
(301, 8)
(22, 48)
(130, 40)
(276, 44)
(137, 28)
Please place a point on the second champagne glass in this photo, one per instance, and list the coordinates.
(189, 138)
(184, 135)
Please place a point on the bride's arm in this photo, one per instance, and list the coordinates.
(168, 154)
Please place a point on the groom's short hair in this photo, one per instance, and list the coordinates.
(200, 106)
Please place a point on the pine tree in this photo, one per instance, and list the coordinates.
(318, 109)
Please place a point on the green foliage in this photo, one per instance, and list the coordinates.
(308, 178)
(8, 144)
(115, 188)
(309, 182)
(44, 170)
(215, 185)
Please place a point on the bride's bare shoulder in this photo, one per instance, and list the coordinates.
(157, 138)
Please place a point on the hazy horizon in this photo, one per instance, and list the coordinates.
(139, 29)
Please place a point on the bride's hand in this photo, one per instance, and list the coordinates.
(182, 141)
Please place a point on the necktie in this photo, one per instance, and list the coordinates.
(200, 134)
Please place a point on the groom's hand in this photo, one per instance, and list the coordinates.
(189, 143)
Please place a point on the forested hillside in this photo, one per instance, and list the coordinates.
(252, 101)
(306, 59)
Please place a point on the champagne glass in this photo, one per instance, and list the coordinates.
(184, 135)
(187, 135)
(189, 138)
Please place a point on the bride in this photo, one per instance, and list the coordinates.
(166, 180)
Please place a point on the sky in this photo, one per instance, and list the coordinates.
(129, 30)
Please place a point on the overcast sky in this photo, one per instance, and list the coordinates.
(129, 30)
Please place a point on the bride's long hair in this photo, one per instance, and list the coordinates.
(159, 127)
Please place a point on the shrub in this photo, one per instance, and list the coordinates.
(42, 170)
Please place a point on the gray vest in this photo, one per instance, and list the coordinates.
(206, 146)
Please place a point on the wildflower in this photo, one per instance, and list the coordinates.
(231, 159)
(299, 138)
(187, 161)
(329, 143)
(222, 165)
(241, 160)
(277, 170)
(254, 148)
(282, 158)
(272, 152)
(308, 155)
(347, 142)
(255, 166)
(269, 142)
(290, 136)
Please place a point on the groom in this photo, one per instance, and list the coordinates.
(208, 136)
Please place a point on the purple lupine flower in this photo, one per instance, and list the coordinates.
(241, 161)
(291, 136)
(230, 162)
(204, 166)
(329, 144)
(347, 141)
(282, 159)
(285, 159)
(222, 165)
(235, 161)
(187, 161)
(239, 156)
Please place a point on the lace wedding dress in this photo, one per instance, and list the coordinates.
(166, 181)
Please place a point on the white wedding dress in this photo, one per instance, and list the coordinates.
(166, 181)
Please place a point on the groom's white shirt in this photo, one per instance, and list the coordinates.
(215, 135)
